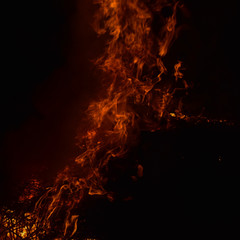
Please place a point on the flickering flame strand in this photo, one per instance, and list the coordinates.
(168, 33)
(178, 74)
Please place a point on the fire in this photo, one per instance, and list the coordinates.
(30, 190)
(177, 72)
(139, 94)
(16, 228)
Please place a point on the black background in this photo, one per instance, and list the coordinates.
(46, 85)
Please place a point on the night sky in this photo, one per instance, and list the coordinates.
(47, 83)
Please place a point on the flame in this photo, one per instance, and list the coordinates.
(138, 95)
(135, 99)
(177, 72)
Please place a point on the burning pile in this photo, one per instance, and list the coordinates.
(138, 94)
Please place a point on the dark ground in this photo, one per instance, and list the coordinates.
(191, 173)
(189, 189)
